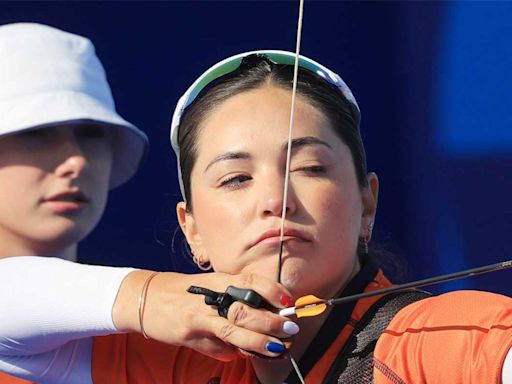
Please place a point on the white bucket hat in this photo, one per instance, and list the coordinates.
(49, 77)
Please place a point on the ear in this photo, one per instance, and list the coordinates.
(370, 196)
(189, 228)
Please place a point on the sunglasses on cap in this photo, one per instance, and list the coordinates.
(233, 63)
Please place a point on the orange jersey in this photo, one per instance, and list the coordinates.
(130, 359)
(458, 337)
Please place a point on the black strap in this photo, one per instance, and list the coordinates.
(354, 364)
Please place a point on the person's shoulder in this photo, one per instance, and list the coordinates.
(458, 307)
(456, 337)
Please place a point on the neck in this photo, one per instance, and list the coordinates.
(69, 253)
(276, 371)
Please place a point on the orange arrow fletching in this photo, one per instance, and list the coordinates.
(308, 306)
(307, 300)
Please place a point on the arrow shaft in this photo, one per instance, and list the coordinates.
(401, 287)
(425, 282)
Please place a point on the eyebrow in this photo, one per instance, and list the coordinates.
(305, 141)
(295, 144)
(228, 156)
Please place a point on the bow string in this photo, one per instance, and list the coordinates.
(288, 161)
(290, 131)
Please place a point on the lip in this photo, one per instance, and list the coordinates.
(66, 201)
(272, 237)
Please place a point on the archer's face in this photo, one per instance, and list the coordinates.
(237, 194)
(53, 187)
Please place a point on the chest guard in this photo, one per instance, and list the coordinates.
(354, 364)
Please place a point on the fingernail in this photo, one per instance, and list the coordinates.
(290, 328)
(286, 301)
(274, 347)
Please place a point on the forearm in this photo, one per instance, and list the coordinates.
(47, 302)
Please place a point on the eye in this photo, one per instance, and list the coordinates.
(235, 182)
(92, 132)
(313, 170)
(36, 133)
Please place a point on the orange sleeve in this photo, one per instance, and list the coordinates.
(458, 337)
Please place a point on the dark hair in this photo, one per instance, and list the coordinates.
(254, 72)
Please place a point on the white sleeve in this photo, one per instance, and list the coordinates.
(46, 303)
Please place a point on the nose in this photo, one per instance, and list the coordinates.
(273, 200)
(72, 160)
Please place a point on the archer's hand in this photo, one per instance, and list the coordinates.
(174, 316)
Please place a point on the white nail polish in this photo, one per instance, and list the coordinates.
(290, 328)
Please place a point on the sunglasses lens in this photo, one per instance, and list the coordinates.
(277, 58)
(211, 76)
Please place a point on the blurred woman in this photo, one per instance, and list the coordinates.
(62, 148)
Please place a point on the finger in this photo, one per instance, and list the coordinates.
(261, 321)
(214, 348)
(287, 344)
(245, 339)
(274, 293)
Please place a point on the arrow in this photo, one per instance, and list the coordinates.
(311, 305)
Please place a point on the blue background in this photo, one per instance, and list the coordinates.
(433, 81)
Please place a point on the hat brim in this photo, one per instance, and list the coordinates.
(57, 108)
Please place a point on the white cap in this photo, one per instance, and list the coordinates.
(49, 77)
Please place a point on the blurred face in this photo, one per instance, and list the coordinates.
(237, 194)
(53, 187)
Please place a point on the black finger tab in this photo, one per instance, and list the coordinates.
(246, 296)
(222, 301)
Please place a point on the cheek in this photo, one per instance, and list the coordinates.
(337, 218)
(18, 193)
(338, 201)
(340, 213)
(345, 208)
(16, 180)
(100, 158)
(220, 223)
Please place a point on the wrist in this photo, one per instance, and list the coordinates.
(125, 312)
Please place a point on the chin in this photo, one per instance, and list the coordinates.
(64, 234)
(301, 282)
(295, 275)
(296, 282)
(293, 285)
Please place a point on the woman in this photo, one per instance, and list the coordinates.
(229, 132)
(62, 148)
